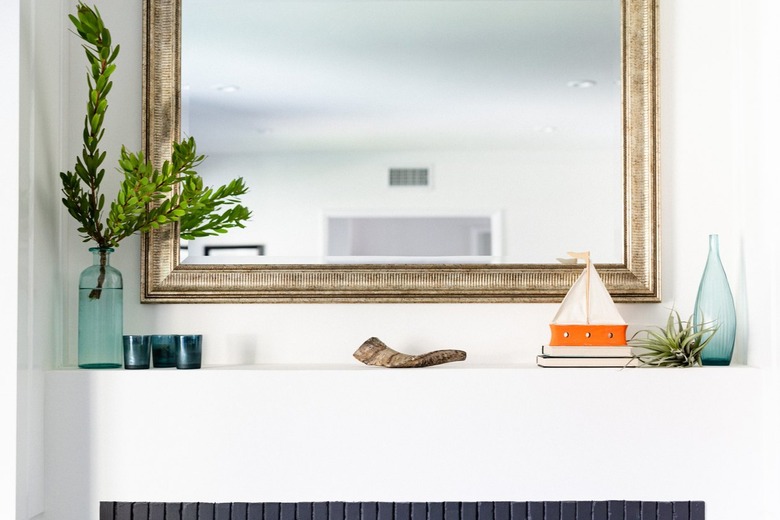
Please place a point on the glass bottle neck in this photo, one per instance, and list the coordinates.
(714, 243)
(101, 255)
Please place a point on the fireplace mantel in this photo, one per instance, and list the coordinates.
(447, 433)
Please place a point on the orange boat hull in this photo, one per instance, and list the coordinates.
(588, 335)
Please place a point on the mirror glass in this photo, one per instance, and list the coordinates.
(409, 131)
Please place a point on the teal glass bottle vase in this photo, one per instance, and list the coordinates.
(100, 313)
(715, 306)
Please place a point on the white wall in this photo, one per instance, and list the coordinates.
(9, 151)
(704, 188)
(718, 114)
(41, 264)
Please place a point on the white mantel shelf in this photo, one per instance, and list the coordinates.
(458, 366)
(452, 432)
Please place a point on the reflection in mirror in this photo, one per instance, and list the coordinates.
(398, 108)
(409, 236)
(547, 132)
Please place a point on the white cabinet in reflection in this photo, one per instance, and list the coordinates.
(412, 236)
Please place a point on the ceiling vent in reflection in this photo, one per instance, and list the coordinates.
(409, 177)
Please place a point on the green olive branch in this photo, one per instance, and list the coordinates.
(148, 198)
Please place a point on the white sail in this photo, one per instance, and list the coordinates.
(588, 301)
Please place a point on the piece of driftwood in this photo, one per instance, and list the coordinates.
(374, 352)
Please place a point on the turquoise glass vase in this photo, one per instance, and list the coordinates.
(100, 313)
(715, 306)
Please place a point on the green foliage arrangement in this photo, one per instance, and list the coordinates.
(148, 198)
(676, 345)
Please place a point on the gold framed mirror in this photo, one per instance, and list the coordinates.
(166, 279)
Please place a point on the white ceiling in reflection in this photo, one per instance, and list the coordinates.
(400, 74)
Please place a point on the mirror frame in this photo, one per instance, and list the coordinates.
(165, 280)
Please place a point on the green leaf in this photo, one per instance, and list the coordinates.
(105, 35)
(114, 54)
(95, 122)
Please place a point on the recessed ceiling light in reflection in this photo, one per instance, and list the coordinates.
(546, 129)
(226, 88)
(581, 83)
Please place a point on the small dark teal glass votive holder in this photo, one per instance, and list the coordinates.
(163, 350)
(137, 349)
(188, 350)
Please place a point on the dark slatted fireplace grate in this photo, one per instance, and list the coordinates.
(562, 510)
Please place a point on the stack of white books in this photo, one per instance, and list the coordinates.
(587, 356)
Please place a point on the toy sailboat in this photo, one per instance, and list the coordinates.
(588, 316)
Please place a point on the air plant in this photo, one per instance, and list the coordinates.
(679, 344)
